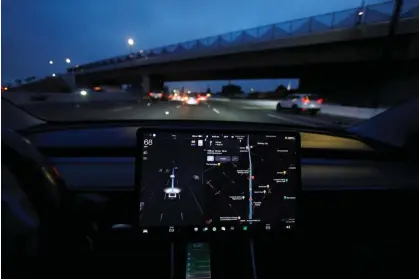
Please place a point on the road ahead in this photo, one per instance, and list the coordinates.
(175, 110)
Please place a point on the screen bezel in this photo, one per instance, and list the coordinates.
(188, 231)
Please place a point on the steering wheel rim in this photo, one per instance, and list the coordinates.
(44, 190)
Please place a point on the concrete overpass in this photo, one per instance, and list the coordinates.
(317, 50)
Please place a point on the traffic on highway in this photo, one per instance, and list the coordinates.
(193, 106)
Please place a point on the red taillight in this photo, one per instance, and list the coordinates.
(320, 101)
(150, 94)
(305, 100)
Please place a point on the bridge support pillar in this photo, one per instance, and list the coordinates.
(146, 84)
(70, 80)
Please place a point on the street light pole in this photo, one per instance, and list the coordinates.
(361, 13)
(131, 44)
(72, 73)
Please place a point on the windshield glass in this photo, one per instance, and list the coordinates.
(305, 62)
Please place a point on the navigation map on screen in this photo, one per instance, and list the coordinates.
(209, 181)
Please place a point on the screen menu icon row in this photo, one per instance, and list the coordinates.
(221, 228)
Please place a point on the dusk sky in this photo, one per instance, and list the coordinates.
(34, 32)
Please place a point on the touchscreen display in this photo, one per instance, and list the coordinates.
(217, 181)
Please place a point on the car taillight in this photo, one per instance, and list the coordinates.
(305, 100)
(150, 94)
(320, 101)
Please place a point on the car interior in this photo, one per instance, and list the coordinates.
(205, 199)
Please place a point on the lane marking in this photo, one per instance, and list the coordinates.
(149, 104)
(178, 106)
(290, 120)
(196, 201)
(251, 108)
(123, 108)
(215, 110)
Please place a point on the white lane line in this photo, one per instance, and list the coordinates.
(178, 106)
(215, 110)
(251, 108)
(149, 104)
(196, 201)
(123, 108)
(290, 120)
(209, 106)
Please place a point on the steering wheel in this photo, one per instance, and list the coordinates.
(35, 203)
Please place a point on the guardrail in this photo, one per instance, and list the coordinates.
(347, 19)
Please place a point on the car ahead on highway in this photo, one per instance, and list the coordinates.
(192, 99)
(157, 96)
(300, 102)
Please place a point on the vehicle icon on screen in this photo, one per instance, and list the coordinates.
(172, 192)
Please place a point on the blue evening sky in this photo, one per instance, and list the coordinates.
(34, 32)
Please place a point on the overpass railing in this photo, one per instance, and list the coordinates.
(347, 19)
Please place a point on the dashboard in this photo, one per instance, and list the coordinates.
(349, 199)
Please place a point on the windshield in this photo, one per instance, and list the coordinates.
(305, 62)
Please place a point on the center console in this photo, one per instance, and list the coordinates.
(222, 204)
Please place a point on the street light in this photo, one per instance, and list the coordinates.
(51, 62)
(131, 43)
(67, 60)
(53, 75)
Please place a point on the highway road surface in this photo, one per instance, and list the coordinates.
(176, 110)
